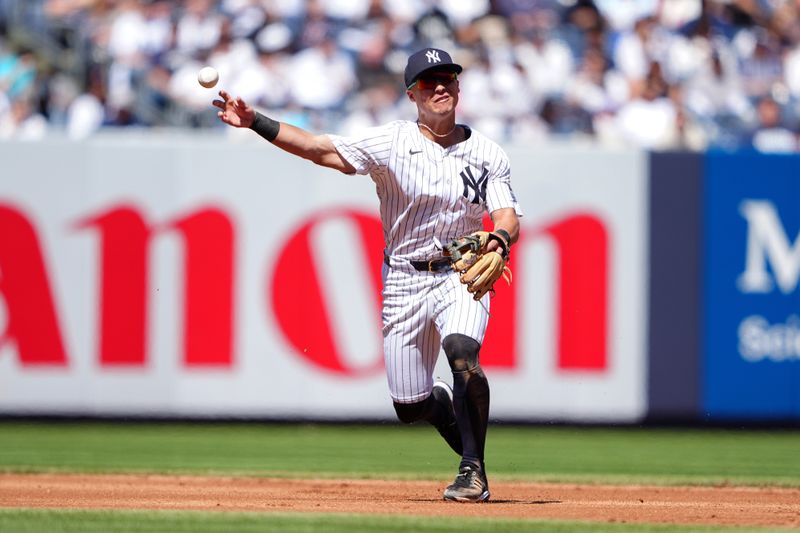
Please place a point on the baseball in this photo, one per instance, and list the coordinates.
(208, 77)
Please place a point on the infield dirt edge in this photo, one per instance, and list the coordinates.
(685, 505)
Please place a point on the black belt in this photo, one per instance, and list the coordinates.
(434, 265)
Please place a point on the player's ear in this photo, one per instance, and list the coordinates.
(410, 95)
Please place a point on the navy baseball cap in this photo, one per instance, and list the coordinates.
(429, 59)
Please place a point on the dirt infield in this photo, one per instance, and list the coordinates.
(745, 506)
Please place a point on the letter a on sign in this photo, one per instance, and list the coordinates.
(32, 324)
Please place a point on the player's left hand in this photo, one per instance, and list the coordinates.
(481, 259)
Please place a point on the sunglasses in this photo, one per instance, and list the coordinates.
(434, 79)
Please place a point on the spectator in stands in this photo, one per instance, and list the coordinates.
(493, 94)
(596, 87)
(761, 66)
(22, 122)
(713, 93)
(265, 83)
(771, 135)
(86, 113)
(246, 17)
(321, 76)
(650, 119)
(547, 62)
(17, 73)
(637, 49)
(583, 26)
(199, 27)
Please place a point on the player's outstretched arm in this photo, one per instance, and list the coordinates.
(316, 148)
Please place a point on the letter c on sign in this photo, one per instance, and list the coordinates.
(298, 295)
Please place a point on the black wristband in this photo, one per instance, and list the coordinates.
(265, 126)
(505, 235)
(504, 240)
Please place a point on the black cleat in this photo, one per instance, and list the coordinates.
(470, 486)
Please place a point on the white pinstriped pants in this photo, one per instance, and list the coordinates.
(419, 310)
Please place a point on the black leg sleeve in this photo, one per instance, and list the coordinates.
(438, 411)
(470, 396)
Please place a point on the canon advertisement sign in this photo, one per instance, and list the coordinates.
(752, 272)
(156, 277)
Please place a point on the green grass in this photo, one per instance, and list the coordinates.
(35, 521)
(594, 455)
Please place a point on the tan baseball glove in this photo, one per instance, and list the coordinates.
(479, 268)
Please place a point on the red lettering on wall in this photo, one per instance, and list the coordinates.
(208, 271)
(208, 328)
(24, 285)
(124, 255)
(583, 292)
(297, 295)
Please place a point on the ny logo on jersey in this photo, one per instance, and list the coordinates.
(433, 56)
(478, 186)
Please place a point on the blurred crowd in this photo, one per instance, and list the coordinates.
(657, 74)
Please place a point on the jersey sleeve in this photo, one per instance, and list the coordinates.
(499, 194)
(367, 151)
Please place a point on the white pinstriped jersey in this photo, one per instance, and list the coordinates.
(429, 193)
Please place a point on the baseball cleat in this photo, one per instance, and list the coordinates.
(470, 486)
(449, 431)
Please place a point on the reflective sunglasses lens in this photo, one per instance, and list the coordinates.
(431, 81)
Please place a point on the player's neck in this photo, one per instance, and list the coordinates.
(445, 133)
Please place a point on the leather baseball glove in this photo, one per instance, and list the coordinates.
(479, 268)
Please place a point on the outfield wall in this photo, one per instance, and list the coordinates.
(176, 276)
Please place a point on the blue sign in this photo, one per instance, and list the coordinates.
(751, 274)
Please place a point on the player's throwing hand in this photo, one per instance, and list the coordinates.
(234, 111)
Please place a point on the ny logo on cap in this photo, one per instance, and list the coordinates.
(433, 56)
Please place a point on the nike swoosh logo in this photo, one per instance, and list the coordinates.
(414, 152)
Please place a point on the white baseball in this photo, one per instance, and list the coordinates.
(208, 77)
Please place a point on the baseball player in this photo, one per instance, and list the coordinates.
(435, 179)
